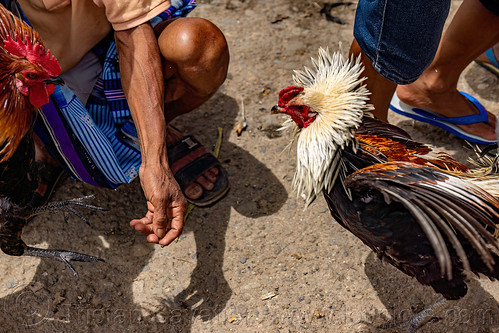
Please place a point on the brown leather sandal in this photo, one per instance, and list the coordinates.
(188, 161)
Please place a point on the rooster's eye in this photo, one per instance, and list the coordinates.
(31, 76)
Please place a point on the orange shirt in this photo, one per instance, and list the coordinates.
(70, 28)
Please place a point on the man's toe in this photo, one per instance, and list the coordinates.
(205, 183)
(193, 191)
(211, 175)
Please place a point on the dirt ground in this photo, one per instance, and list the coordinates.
(256, 261)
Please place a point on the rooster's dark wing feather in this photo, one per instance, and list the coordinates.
(412, 215)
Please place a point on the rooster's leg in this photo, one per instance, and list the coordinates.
(65, 256)
(68, 206)
(419, 319)
(424, 315)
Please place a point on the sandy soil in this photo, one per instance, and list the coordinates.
(256, 261)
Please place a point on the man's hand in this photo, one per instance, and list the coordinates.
(166, 205)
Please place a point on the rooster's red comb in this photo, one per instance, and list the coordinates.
(288, 94)
(34, 53)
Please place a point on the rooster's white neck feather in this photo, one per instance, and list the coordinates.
(333, 89)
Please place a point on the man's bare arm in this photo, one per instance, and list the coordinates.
(143, 84)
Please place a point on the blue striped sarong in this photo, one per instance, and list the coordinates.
(83, 137)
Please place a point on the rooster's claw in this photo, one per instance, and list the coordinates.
(64, 256)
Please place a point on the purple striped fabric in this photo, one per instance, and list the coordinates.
(73, 161)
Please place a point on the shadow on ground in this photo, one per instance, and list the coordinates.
(476, 312)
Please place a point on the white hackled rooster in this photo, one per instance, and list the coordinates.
(420, 210)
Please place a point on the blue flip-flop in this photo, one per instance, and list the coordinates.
(448, 124)
(493, 67)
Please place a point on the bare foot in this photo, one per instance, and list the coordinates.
(449, 103)
(206, 182)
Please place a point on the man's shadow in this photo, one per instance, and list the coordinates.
(254, 192)
(404, 296)
(52, 300)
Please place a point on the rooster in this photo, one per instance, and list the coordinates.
(28, 75)
(422, 211)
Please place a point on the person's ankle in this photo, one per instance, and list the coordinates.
(431, 84)
(172, 135)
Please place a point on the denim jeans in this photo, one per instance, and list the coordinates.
(400, 37)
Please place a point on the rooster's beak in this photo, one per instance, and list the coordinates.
(57, 80)
(275, 109)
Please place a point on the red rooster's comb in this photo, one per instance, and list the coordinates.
(34, 53)
(288, 94)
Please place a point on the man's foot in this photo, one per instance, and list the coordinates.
(450, 104)
(202, 180)
(206, 181)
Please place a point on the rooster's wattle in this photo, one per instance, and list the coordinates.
(422, 211)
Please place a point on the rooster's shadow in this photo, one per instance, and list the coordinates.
(403, 297)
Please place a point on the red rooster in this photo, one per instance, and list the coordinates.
(28, 74)
(420, 210)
